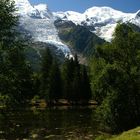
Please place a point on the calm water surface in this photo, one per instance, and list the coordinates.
(73, 123)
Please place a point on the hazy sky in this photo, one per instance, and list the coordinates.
(82, 5)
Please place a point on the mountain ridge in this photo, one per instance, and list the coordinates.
(39, 21)
(103, 19)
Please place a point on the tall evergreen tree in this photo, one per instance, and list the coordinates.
(76, 82)
(76, 86)
(47, 61)
(54, 88)
(15, 73)
(51, 88)
(8, 22)
(85, 85)
(67, 76)
(20, 75)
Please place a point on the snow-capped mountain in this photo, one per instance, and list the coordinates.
(39, 22)
(103, 19)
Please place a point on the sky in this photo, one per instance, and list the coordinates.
(129, 6)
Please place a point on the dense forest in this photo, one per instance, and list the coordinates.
(115, 71)
(112, 76)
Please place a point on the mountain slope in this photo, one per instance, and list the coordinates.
(78, 37)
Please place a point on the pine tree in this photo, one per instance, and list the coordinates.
(67, 76)
(47, 61)
(20, 77)
(75, 81)
(8, 22)
(15, 73)
(85, 86)
(54, 88)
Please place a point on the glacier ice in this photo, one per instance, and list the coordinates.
(39, 22)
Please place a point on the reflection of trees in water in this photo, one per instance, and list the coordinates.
(13, 124)
(45, 123)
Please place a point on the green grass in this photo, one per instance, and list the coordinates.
(133, 134)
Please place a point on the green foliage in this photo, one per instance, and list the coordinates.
(71, 83)
(15, 72)
(116, 79)
(55, 85)
(8, 21)
(50, 88)
(75, 82)
(47, 61)
(21, 75)
(19, 84)
(32, 55)
(15, 75)
(101, 138)
(5, 101)
(85, 85)
(128, 135)
(67, 76)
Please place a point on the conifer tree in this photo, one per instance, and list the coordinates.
(76, 86)
(85, 85)
(47, 61)
(76, 81)
(20, 75)
(54, 90)
(8, 22)
(67, 76)
(15, 73)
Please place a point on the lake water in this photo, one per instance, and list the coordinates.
(61, 123)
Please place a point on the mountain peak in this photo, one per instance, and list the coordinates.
(23, 6)
(41, 6)
(103, 12)
(138, 14)
(26, 9)
(43, 10)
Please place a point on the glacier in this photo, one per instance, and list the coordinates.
(39, 22)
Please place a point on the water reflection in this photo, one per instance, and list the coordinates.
(51, 123)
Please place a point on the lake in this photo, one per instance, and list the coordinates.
(56, 123)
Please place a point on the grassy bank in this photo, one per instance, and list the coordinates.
(133, 134)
